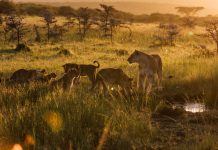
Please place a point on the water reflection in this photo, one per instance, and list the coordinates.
(192, 107)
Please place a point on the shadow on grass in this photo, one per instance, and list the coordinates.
(7, 51)
(200, 89)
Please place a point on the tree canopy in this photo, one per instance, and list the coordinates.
(189, 11)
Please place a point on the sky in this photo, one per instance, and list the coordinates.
(206, 3)
(211, 6)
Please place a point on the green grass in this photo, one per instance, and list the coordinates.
(84, 120)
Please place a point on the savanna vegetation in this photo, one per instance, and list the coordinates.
(45, 37)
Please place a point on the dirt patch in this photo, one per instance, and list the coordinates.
(170, 111)
(192, 128)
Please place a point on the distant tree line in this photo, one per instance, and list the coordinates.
(107, 19)
(7, 7)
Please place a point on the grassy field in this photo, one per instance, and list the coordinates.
(36, 118)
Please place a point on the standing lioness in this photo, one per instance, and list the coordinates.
(149, 65)
(113, 76)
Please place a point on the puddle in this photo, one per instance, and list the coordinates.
(192, 107)
(195, 107)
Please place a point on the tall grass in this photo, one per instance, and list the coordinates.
(84, 120)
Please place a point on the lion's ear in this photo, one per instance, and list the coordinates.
(43, 71)
(130, 79)
(136, 51)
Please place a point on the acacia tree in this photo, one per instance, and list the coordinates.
(189, 13)
(49, 19)
(84, 18)
(212, 31)
(4, 27)
(106, 18)
(109, 22)
(15, 24)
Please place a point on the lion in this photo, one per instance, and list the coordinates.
(84, 69)
(67, 81)
(47, 78)
(149, 66)
(26, 76)
(112, 76)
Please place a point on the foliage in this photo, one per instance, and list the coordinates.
(85, 20)
(7, 7)
(189, 12)
(66, 11)
(15, 23)
(212, 30)
(49, 19)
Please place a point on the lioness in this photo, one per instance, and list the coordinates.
(149, 65)
(114, 77)
(25, 76)
(67, 81)
(84, 69)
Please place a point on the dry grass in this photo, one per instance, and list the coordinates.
(81, 119)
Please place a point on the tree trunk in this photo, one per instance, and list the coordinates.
(217, 47)
(48, 26)
(18, 36)
(111, 34)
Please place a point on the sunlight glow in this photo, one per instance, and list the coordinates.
(29, 140)
(17, 147)
(54, 121)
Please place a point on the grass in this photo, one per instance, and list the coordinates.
(36, 118)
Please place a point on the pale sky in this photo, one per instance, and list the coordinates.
(206, 3)
(162, 6)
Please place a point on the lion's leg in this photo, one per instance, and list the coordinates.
(141, 82)
(150, 82)
(72, 83)
(159, 81)
(105, 89)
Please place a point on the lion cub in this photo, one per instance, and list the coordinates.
(67, 81)
(47, 78)
(26, 76)
(84, 69)
(113, 76)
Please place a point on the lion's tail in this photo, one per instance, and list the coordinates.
(98, 64)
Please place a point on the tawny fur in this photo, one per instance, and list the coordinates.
(67, 81)
(84, 69)
(25, 76)
(112, 76)
(149, 66)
